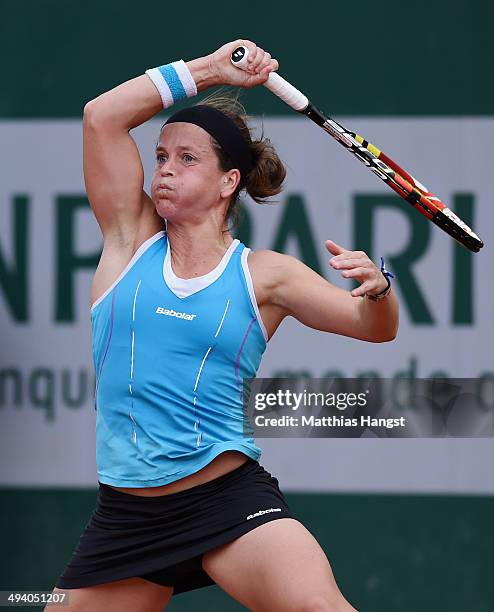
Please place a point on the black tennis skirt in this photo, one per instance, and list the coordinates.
(162, 539)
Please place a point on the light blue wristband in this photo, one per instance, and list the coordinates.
(173, 81)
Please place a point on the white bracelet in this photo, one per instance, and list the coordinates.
(173, 81)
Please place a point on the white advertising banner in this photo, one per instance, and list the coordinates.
(50, 243)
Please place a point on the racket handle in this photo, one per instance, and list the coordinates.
(281, 88)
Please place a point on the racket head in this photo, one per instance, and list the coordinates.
(423, 200)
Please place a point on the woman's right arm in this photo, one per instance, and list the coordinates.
(113, 171)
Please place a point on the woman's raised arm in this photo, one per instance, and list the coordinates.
(113, 169)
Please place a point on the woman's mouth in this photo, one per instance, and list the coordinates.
(164, 191)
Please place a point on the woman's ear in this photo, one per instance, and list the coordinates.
(230, 182)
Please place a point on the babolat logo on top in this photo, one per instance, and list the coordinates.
(174, 313)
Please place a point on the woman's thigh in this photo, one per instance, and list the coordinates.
(277, 567)
(129, 595)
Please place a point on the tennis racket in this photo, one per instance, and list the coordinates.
(383, 166)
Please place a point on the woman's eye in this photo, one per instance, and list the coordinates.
(161, 158)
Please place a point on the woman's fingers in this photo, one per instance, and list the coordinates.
(256, 72)
(372, 283)
(362, 290)
(341, 264)
(262, 65)
(335, 249)
(259, 60)
(359, 272)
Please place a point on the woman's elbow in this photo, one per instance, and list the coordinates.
(391, 331)
(91, 113)
(96, 113)
(387, 338)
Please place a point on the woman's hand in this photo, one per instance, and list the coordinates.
(356, 264)
(260, 64)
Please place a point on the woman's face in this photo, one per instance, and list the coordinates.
(188, 182)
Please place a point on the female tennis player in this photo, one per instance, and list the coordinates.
(181, 314)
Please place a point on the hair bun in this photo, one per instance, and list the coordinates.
(266, 178)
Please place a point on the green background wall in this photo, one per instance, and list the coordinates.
(368, 58)
(389, 552)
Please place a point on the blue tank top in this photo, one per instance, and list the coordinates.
(170, 356)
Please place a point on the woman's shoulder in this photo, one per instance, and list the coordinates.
(270, 260)
(268, 267)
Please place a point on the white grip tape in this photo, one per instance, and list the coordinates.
(288, 93)
(281, 88)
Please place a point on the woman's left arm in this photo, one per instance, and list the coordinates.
(312, 300)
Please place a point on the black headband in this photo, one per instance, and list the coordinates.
(223, 129)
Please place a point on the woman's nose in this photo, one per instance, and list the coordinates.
(167, 168)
